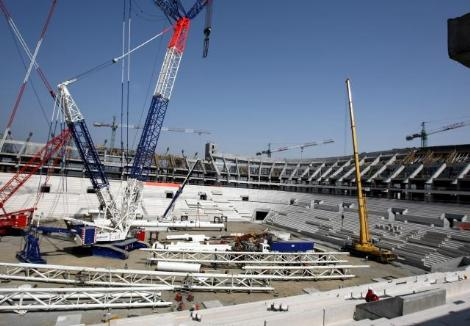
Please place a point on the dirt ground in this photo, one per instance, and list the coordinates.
(60, 252)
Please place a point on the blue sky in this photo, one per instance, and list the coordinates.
(275, 72)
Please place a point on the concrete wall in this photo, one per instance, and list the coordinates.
(388, 308)
(401, 305)
(424, 300)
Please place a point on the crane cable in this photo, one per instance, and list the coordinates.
(123, 63)
(147, 93)
(23, 61)
(129, 20)
(108, 63)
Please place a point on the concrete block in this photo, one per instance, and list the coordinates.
(400, 305)
(424, 300)
(388, 308)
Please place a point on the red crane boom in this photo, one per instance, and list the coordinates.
(41, 157)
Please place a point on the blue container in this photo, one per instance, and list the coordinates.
(292, 246)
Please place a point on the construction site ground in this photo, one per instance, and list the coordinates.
(58, 251)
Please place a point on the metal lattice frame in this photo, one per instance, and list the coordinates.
(22, 300)
(168, 72)
(143, 159)
(137, 278)
(39, 159)
(235, 257)
(161, 96)
(87, 150)
(304, 272)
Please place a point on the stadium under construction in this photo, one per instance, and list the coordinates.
(105, 235)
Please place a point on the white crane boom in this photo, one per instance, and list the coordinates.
(114, 126)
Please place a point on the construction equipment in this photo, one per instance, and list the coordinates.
(114, 126)
(114, 227)
(144, 156)
(423, 134)
(364, 247)
(20, 219)
(32, 63)
(269, 151)
(174, 11)
(170, 207)
(117, 221)
(219, 257)
(207, 28)
(252, 242)
(31, 252)
(24, 299)
(136, 278)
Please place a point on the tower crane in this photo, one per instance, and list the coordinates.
(363, 247)
(423, 134)
(114, 126)
(269, 151)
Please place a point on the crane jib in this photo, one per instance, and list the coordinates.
(143, 159)
(154, 122)
(88, 154)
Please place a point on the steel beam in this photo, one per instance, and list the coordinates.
(244, 258)
(136, 278)
(304, 272)
(25, 299)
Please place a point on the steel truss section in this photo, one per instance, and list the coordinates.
(87, 150)
(24, 299)
(143, 159)
(137, 278)
(39, 159)
(245, 258)
(303, 272)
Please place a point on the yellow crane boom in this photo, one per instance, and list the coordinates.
(364, 247)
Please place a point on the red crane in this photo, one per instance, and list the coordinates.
(32, 64)
(20, 219)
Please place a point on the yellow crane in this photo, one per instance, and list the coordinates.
(364, 247)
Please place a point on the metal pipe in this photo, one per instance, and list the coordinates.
(178, 267)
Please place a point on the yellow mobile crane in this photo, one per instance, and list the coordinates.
(364, 247)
